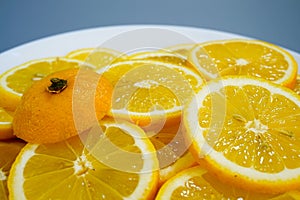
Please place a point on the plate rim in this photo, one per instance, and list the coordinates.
(6, 57)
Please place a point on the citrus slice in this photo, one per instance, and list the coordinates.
(150, 91)
(6, 130)
(118, 163)
(8, 152)
(162, 56)
(247, 131)
(14, 82)
(184, 162)
(197, 183)
(181, 49)
(245, 57)
(297, 86)
(172, 152)
(99, 57)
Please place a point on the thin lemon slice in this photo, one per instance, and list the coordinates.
(118, 163)
(14, 82)
(247, 131)
(245, 57)
(6, 130)
(150, 91)
(181, 49)
(99, 57)
(172, 152)
(8, 152)
(297, 86)
(196, 183)
(162, 56)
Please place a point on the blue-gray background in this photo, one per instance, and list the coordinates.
(276, 21)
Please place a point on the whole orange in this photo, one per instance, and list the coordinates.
(62, 105)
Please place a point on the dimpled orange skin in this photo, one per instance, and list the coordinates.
(44, 117)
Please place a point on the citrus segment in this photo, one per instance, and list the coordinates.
(6, 131)
(197, 183)
(14, 82)
(99, 57)
(81, 167)
(48, 113)
(8, 152)
(150, 91)
(245, 57)
(247, 132)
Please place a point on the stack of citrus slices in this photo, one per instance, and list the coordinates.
(213, 120)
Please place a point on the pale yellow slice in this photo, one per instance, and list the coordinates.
(245, 57)
(118, 163)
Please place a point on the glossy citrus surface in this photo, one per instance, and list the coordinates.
(247, 132)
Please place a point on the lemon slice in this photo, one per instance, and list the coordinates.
(150, 91)
(246, 130)
(197, 183)
(172, 152)
(8, 152)
(14, 82)
(6, 130)
(118, 163)
(181, 49)
(162, 56)
(245, 57)
(99, 57)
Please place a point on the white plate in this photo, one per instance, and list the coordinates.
(111, 36)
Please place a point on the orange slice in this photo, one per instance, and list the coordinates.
(6, 130)
(162, 56)
(149, 92)
(99, 57)
(8, 152)
(245, 57)
(197, 183)
(181, 49)
(14, 82)
(247, 132)
(111, 161)
(172, 152)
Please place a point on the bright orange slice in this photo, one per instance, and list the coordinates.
(99, 57)
(162, 56)
(14, 82)
(147, 91)
(8, 152)
(172, 152)
(6, 130)
(181, 49)
(247, 131)
(118, 163)
(196, 183)
(245, 57)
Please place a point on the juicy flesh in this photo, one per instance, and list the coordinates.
(239, 58)
(253, 127)
(75, 173)
(202, 185)
(145, 87)
(34, 72)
